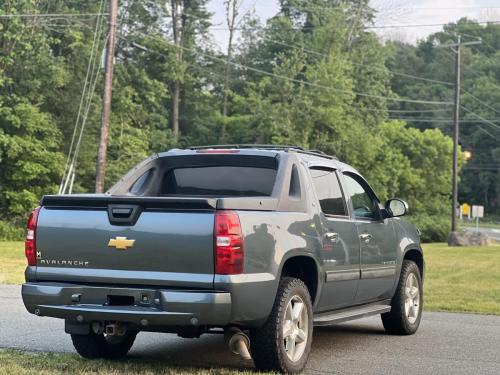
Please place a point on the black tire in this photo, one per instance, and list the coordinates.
(94, 346)
(267, 342)
(397, 322)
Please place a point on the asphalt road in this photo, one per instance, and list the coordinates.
(492, 233)
(445, 344)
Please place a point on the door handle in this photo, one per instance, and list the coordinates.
(332, 236)
(365, 237)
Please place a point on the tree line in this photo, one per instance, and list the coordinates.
(313, 75)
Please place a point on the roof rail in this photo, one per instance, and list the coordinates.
(247, 145)
(317, 153)
(287, 148)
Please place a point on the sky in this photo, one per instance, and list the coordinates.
(390, 12)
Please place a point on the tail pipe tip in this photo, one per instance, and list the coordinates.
(239, 343)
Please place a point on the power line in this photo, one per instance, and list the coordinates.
(480, 101)
(380, 68)
(481, 168)
(408, 110)
(437, 120)
(486, 121)
(298, 81)
(51, 15)
(262, 28)
(319, 7)
(453, 8)
(481, 164)
(441, 118)
(418, 120)
(428, 25)
(487, 132)
(87, 94)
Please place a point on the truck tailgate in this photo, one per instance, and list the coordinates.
(80, 240)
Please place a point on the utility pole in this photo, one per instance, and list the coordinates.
(456, 119)
(456, 48)
(106, 101)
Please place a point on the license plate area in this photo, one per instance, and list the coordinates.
(117, 300)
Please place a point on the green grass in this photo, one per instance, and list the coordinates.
(14, 362)
(462, 279)
(12, 262)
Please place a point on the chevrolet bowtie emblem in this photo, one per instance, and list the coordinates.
(121, 243)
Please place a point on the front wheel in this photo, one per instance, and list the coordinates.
(95, 345)
(284, 342)
(406, 306)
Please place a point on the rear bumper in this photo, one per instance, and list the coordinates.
(151, 307)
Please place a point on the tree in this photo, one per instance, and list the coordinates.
(480, 95)
(232, 7)
(30, 159)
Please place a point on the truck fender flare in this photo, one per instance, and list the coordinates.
(410, 247)
(301, 253)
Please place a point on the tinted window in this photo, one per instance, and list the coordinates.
(141, 183)
(364, 206)
(219, 181)
(328, 191)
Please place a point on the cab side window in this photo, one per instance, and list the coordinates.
(329, 193)
(140, 185)
(364, 203)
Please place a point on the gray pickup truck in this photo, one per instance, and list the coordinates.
(261, 243)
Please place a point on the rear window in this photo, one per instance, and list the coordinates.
(230, 181)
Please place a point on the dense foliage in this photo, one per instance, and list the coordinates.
(312, 76)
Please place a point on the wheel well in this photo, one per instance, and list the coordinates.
(417, 257)
(303, 268)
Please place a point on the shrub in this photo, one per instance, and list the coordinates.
(433, 228)
(11, 231)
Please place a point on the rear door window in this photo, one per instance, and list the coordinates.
(329, 193)
(217, 181)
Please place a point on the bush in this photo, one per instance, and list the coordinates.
(11, 231)
(433, 228)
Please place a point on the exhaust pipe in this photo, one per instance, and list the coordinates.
(238, 342)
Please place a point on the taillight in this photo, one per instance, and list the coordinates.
(30, 242)
(228, 243)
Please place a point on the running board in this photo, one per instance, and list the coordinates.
(339, 316)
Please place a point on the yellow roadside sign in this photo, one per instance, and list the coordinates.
(465, 208)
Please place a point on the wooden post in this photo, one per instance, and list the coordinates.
(456, 120)
(106, 101)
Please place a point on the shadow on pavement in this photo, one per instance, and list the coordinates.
(211, 350)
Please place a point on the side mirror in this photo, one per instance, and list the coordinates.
(396, 207)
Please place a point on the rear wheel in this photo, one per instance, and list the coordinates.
(94, 345)
(284, 342)
(406, 306)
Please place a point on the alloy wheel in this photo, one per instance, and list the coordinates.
(295, 328)
(412, 298)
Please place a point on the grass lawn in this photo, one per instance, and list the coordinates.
(12, 262)
(13, 362)
(465, 279)
(462, 279)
